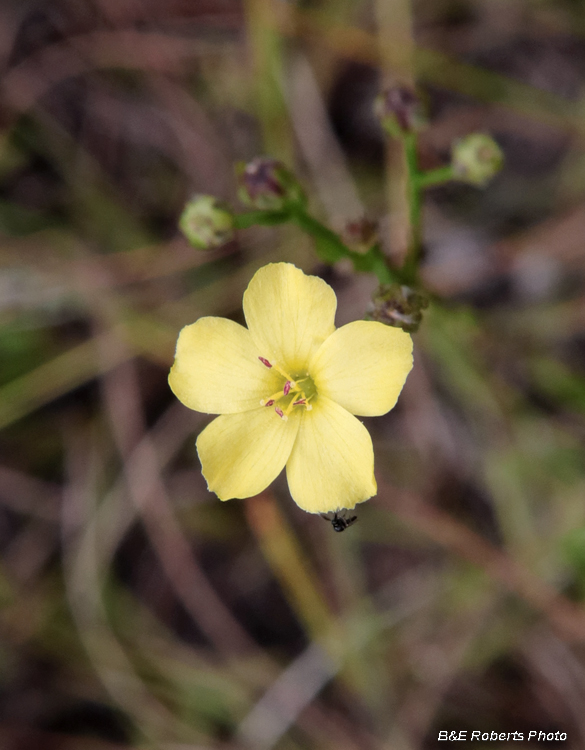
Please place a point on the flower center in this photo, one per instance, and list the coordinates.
(297, 391)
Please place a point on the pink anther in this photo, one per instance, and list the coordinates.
(279, 412)
(265, 361)
(269, 402)
(300, 401)
(287, 387)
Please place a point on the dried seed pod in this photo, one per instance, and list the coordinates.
(399, 306)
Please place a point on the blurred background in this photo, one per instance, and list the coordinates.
(136, 609)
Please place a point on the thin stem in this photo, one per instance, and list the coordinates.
(374, 261)
(331, 249)
(413, 191)
(333, 244)
(435, 177)
(263, 218)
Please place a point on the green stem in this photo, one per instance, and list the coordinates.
(320, 232)
(263, 218)
(410, 266)
(330, 248)
(435, 177)
(374, 261)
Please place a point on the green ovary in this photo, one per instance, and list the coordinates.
(306, 385)
(296, 392)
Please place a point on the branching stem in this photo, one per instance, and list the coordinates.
(330, 247)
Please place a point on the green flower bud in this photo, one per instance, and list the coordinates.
(400, 111)
(476, 159)
(206, 222)
(399, 306)
(268, 185)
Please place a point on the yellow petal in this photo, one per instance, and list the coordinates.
(241, 454)
(363, 366)
(332, 463)
(217, 370)
(289, 314)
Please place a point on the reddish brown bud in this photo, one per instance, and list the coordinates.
(400, 111)
(361, 234)
(268, 185)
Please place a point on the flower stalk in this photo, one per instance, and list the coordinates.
(414, 197)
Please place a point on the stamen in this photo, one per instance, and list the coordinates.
(271, 399)
(308, 406)
(288, 409)
(284, 374)
(291, 388)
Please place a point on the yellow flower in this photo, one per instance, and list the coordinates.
(287, 388)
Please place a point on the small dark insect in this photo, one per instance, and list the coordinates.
(339, 521)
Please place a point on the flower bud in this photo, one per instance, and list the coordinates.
(399, 306)
(400, 111)
(268, 185)
(361, 234)
(206, 222)
(476, 159)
